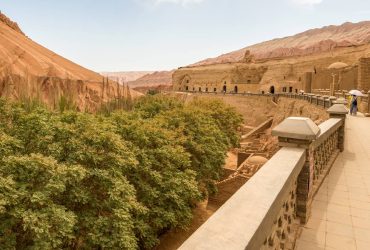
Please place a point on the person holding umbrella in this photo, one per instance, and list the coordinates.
(353, 108)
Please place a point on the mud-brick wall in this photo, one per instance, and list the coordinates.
(323, 79)
(364, 74)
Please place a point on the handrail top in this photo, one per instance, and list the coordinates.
(327, 128)
(245, 220)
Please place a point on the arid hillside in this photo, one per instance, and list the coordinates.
(126, 76)
(158, 81)
(153, 79)
(30, 70)
(306, 43)
(143, 81)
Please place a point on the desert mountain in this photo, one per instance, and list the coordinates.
(126, 76)
(143, 80)
(306, 43)
(153, 79)
(159, 80)
(28, 69)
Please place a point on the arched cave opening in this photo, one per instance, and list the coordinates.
(236, 89)
(224, 88)
(272, 89)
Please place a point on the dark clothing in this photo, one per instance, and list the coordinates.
(353, 109)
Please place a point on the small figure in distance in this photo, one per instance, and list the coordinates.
(353, 108)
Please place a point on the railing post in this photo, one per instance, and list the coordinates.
(325, 100)
(339, 111)
(331, 100)
(311, 98)
(299, 132)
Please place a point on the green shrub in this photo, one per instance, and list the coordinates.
(82, 181)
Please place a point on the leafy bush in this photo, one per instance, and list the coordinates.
(81, 181)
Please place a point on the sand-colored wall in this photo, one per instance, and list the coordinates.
(257, 109)
(364, 74)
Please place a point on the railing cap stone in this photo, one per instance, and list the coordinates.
(297, 128)
(338, 108)
(341, 100)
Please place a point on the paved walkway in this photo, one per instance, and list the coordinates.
(341, 209)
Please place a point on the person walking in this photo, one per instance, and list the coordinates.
(353, 108)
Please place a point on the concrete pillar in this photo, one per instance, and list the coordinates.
(300, 132)
(339, 111)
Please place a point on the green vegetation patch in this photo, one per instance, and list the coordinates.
(82, 181)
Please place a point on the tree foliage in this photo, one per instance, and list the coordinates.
(81, 181)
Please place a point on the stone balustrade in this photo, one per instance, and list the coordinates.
(266, 212)
(318, 97)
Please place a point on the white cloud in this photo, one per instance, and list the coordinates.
(182, 2)
(307, 2)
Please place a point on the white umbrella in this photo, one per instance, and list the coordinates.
(356, 92)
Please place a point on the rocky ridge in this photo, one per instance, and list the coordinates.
(13, 25)
(310, 42)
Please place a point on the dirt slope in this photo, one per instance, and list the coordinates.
(29, 69)
(309, 42)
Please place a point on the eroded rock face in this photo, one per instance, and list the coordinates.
(27, 69)
(86, 96)
(312, 41)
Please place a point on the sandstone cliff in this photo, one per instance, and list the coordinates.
(310, 42)
(29, 70)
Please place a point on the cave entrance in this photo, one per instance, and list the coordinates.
(224, 89)
(236, 89)
(272, 89)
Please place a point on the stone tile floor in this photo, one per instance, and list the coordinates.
(340, 216)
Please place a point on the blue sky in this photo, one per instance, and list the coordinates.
(116, 35)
